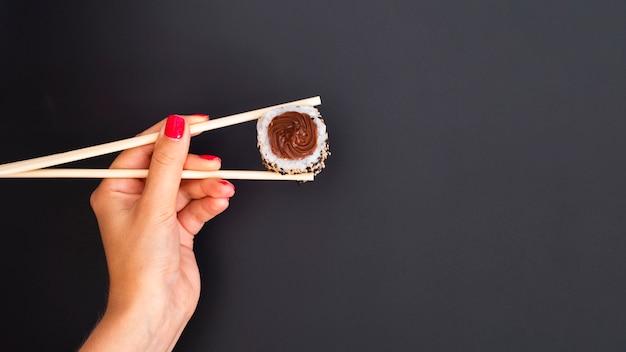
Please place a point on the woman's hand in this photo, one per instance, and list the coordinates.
(147, 229)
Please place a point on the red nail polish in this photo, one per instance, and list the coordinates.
(175, 127)
(226, 183)
(201, 115)
(210, 157)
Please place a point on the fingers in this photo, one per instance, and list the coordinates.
(196, 189)
(163, 192)
(217, 197)
(139, 158)
(202, 162)
(201, 200)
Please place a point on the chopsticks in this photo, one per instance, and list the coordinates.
(20, 168)
(142, 173)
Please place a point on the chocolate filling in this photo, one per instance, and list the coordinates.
(292, 135)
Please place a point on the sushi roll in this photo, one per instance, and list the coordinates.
(293, 140)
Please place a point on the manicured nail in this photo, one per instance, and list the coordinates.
(175, 127)
(226, 183)
(210, 157)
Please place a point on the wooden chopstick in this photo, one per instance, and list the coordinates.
(111, 147)
(142, 173)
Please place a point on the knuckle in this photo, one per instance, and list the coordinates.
(163, 158)
(94, 200)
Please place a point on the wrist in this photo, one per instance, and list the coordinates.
(147, 324)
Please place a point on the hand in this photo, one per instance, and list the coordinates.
(147, 228)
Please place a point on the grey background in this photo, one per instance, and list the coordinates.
(474, 200)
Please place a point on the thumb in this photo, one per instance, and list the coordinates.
(168, 157)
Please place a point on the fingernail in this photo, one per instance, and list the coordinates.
(210, 157)
(175, 127)
(201, 115)
(226, 183)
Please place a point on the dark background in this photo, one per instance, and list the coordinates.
(474, 200)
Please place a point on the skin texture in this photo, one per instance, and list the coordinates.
(148, 228)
